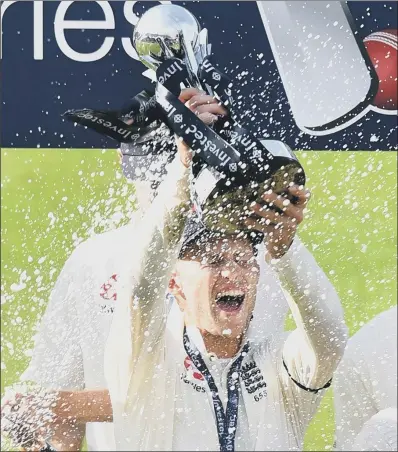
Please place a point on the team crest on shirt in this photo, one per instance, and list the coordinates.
(108, 293)
(192, 376)
(254, 381)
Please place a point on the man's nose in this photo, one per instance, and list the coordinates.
(230, 270)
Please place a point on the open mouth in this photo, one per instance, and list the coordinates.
(230, 301)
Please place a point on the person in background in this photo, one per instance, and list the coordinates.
(365, 388)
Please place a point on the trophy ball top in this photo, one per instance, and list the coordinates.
(160, 32)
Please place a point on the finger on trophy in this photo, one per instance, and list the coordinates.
(265, 189)
(259, 224)
(207, 117)
(294, 195)
(187, 94)
(286, 206)
(215, 109)
(266, 213)
(301, 195)
(279, 201)
(201, 98)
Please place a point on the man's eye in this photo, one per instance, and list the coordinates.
(245, 262)
(212, 260)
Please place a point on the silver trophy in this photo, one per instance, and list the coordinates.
(171, 31)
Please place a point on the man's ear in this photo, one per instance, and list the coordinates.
(176, 290)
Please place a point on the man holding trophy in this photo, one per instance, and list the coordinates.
(191, 377)
(196, 375)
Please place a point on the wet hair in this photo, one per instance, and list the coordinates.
(196, 234)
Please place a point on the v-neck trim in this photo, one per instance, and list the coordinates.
(195, 336)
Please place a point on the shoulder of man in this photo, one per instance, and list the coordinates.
(100, 247)
(374, 335)
(92, 274)
(371, 350)
(99, 259)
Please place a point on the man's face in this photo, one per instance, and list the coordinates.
(218, 282)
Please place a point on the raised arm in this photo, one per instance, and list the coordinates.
(139, 317)
(365, 386)
(307, 359)
(312, 352)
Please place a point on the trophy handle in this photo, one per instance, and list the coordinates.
(203, 46)
(190, 61)
(166, 51)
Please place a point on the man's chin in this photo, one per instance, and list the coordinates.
(233, 328)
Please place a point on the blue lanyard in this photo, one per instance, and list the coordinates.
(226, 422)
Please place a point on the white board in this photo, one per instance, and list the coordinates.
(327, 76)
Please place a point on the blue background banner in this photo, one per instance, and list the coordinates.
(40, 82)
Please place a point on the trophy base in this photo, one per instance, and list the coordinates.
(226, 210)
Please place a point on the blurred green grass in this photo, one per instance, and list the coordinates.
(53, 199)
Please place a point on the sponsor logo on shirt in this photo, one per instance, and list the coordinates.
(254, 381)
(189, 366)
(108, 293)
(192, 377)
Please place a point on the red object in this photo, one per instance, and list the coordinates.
(382, 47)
(108, 290)
(191, 368)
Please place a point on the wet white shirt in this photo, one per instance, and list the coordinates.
(70, 342)
(161, 400)
(365, 390)
(69, 345)
(379, 433)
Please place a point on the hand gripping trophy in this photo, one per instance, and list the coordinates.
(231, 167)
